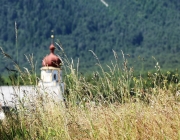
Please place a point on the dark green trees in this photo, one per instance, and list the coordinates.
(142, 28)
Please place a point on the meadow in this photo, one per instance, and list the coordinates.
(109, 104)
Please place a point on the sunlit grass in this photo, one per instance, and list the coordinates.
(112, 104)
(158, 120)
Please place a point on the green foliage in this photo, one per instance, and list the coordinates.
(2, 81)
(109, 101)
(120, 83)
(20, 75)
(139, 28)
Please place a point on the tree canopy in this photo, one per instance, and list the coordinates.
(140, 28)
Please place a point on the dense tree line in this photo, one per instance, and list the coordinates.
(140, 28)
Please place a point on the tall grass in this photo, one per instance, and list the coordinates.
(110, 104)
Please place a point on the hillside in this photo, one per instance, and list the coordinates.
(140, 28)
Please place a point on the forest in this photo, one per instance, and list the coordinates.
(121, 75)
(146, 31)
